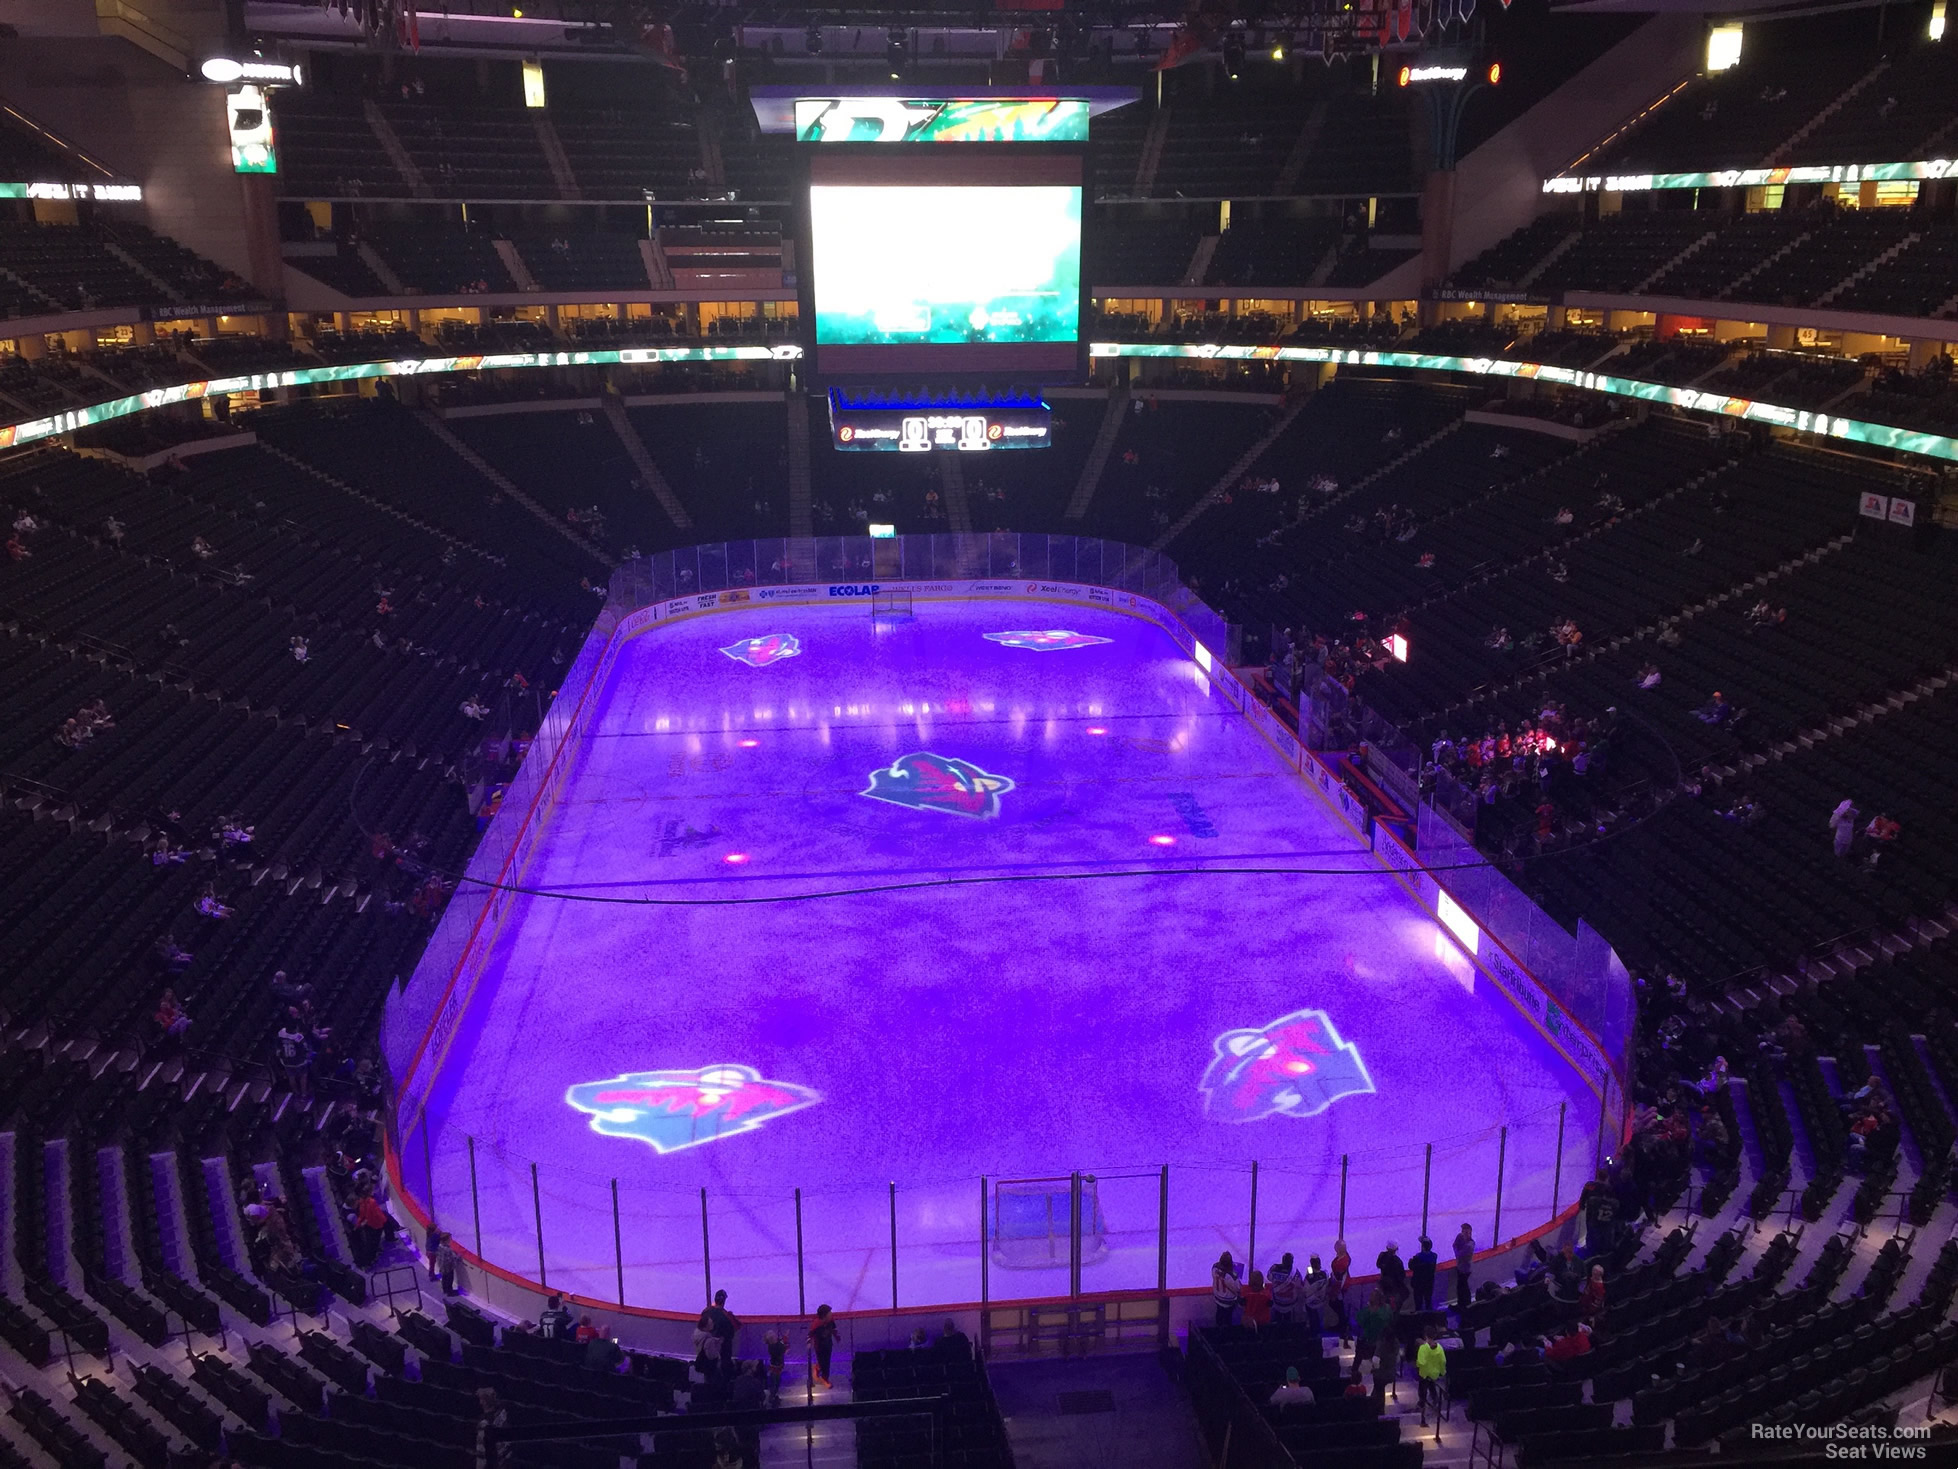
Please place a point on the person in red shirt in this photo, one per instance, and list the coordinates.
(1256, 1301)
(1564, 1348)
(1354, 1387)
(370, 1226)
(1342, 1269)
(1590, 1300)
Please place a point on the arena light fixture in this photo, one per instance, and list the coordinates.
(1723, 47)
(1457, 922)
(227, 71)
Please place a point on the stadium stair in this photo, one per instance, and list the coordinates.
(1230, 477)
(1112, 416)
(433, 423)
(649, 472)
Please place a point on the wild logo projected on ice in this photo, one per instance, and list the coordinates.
(762, 651)
(682, 1109)
(1053, 640)
(927, 782)
(1296, 1065)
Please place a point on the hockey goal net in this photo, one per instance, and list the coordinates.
(889, 604)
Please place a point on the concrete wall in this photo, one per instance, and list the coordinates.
(1498, 187)
(147, 121)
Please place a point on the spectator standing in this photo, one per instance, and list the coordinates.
(1374, 1318)
(370, 1225)
(822, 1342)
(722, 1323)
(1284, 1282)
(1464, 1264)
(491, 1415)
(1590, 1300)
(1312, 1297)
(555, 1323)
(1257, 1301)
(775, 1341)
(1225, 1289)
(1336, 1280)
(1421, 1275)
(1430, 1362)
(1843, 825)
(1393, 1276)
(295, 1054)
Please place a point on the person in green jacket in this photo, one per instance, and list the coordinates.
(1430, 1362)
(1373, 1321)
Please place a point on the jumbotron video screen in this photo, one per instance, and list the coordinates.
(966, 266)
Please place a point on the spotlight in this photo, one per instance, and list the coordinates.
(749, 744)
(1162, 841)
(735, 859)
(1096, 729)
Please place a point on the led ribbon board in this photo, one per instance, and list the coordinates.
(66, 423)
(1852, 430)
(121, 193)
(1750, 178)
(1883, 435)
(941, 120)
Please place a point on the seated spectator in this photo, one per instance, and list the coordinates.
(1882, 833)
(1715, 1079)
(1716, 711)
(1713, 1139)
(603, 1354)
(1354, 1387)
(1566, 1348)
(952, 1342)
(170, 1017)
(1291, 1390)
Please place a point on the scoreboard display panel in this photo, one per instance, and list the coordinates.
(945, 260)
(922, 428)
